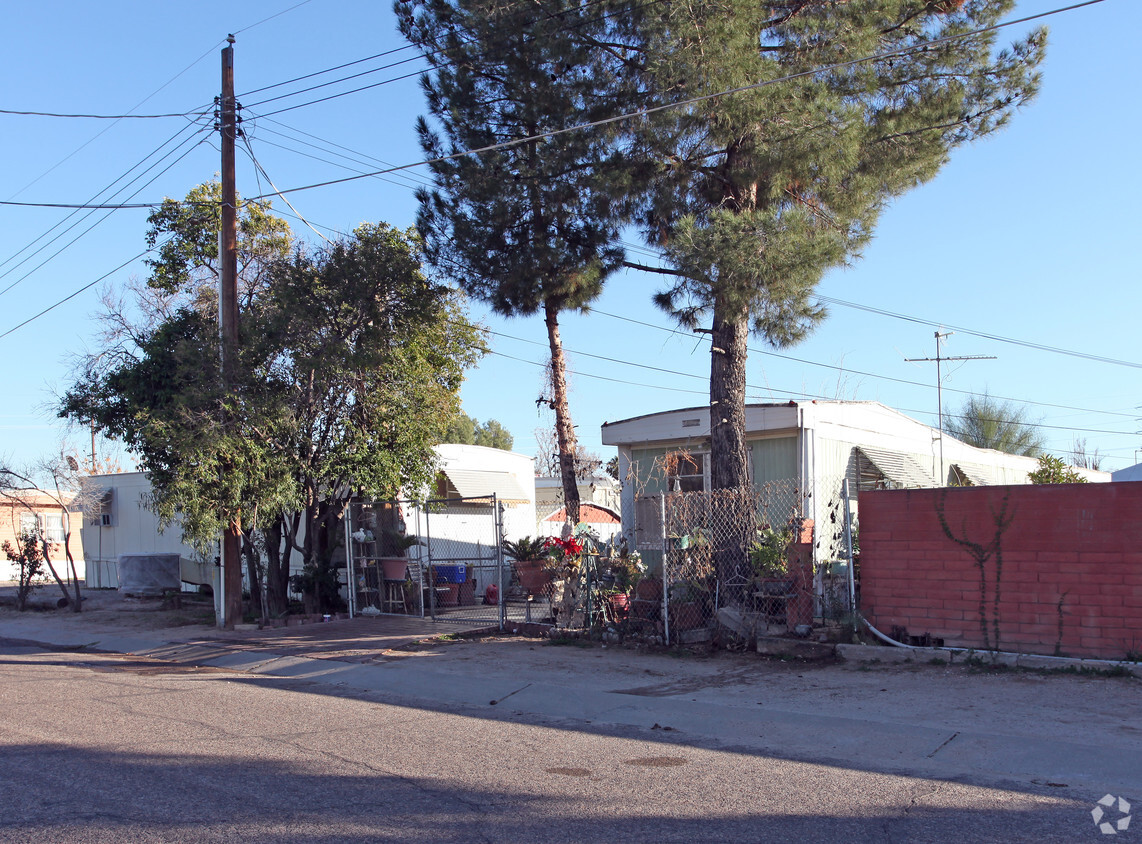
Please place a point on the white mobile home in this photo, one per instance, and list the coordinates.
(815, 444)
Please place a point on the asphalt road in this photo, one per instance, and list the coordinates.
(104, 747)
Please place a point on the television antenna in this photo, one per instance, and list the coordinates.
(938, 359)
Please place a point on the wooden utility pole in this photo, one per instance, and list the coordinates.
(228, 323)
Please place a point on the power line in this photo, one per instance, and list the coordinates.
(420, 55)
(189, 149)
(274, 15)
(122, 206)
(846, 371)
(312, 157)
(70, 296)
(1043, 347)
(262, 170)
(337, 81)
(691, 101)
(97, 116)
(327, 70)
(770, 390)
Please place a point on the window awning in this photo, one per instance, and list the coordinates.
(471, 483)
(899, 468)
(977, 475)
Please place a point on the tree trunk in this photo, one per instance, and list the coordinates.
(59, 581)
(277, 569)
(564, 429)
(729, 457)
(729, 454)
(253, 571)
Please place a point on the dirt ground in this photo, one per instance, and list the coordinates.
(110, 608)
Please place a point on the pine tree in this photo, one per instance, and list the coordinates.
(761, 192)
(990, 423)
(531, 227)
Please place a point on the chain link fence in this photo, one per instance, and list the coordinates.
(718, 566)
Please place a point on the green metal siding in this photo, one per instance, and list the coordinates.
(774, 460)
(647, 470)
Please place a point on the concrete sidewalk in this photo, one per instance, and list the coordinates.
(1033, 731)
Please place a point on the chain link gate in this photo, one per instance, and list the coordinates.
(764, 561)
(450, 570)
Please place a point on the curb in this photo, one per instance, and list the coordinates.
(879, 653)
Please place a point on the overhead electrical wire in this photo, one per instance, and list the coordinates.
(427, 56)
(643, 112)
(260, 169)
(71, 296)
(999, 338)
(151, 181)
(98, 116)
(770, 390)
(846, 371)
(274, 15)
(839, 369)
(327, 70)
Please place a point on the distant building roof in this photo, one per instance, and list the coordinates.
(590, 513)
(1130, 473)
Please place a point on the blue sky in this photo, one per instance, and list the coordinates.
(1030, 234)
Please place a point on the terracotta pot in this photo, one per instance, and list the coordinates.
(533, 575)
(686, 615)
(394, 568)
(648, 589)
(620, 606)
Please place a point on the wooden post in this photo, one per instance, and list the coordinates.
(228, 323)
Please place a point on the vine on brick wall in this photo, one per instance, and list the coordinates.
(981, 553)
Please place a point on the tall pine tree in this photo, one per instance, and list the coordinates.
(533, 226)
(760, 192)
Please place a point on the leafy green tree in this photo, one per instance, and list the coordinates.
(494, 435)
(467, 431)
(530, 227)
(1052, 470)
(186, 236)
(760, 192)
(350, 369)
(990, 423)
(369, 355)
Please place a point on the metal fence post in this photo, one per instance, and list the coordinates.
(849, 547)
(349, 567)
(665, 584)
(501, 589)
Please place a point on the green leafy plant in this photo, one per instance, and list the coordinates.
(1052, 470)
(526, 548)
(28, 560)
(394, 543)
(769, 555)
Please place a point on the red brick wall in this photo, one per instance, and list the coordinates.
(1078, 544)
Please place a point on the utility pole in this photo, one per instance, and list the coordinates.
(228, 323)
(940, 388)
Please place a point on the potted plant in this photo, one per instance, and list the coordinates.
(623, 572)
(687, 602)
(769, 560)
(394, 553)
(531, 562)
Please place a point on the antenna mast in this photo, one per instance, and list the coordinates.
(940, 388)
